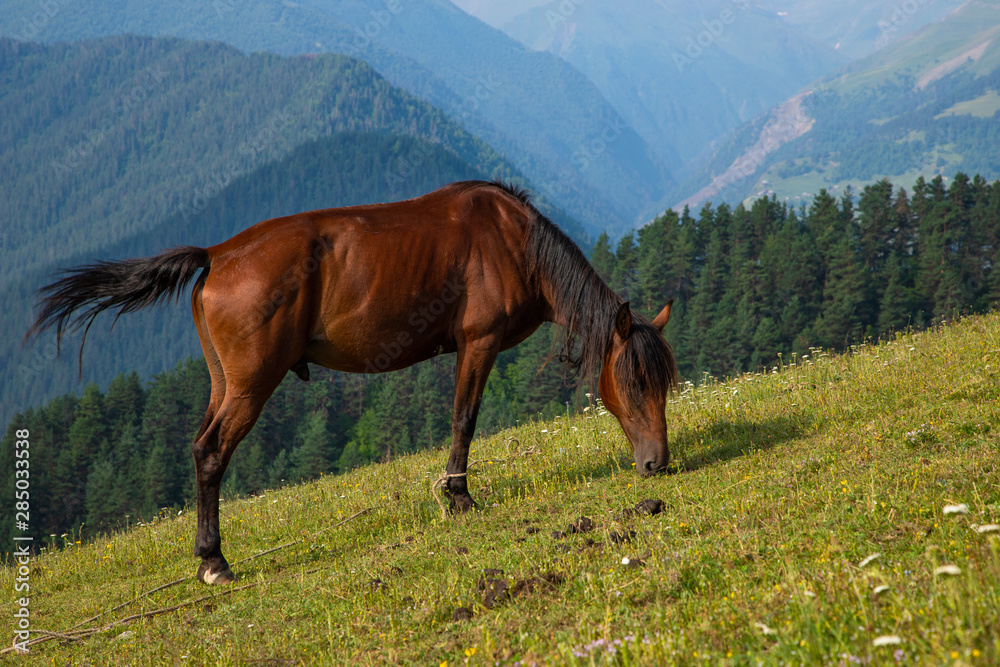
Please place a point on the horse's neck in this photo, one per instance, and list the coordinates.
(575, 312)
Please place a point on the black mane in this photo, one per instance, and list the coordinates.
(588, 307)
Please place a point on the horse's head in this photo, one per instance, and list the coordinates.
(639, 370)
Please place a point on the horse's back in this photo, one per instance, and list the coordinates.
(417, 276)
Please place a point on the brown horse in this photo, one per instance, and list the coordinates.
(471, 268)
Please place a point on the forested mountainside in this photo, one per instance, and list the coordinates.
(537, 110)
(924, 106)
(123, 146)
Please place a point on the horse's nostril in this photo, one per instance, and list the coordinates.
(649, 467)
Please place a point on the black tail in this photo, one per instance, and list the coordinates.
(127, 285)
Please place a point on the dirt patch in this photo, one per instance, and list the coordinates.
(461, 614)
(581, 525)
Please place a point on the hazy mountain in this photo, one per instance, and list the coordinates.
(549, 119)
(102, 141)
(682, 74)
(856, 28)
(922, 106)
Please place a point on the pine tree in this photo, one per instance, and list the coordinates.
(626, 266)
(841, 319)
(895, 305)
(314, 456)
(103, 494)
(602, 259)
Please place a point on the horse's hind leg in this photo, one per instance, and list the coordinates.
(211, 359)
(212, 451)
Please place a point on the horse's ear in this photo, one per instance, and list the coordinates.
(623, 321)
(660, 321)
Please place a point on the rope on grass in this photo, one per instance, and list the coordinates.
(76, 632)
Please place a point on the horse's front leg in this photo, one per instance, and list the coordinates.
(475, 359)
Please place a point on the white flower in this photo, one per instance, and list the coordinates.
(625, 560)
(764, 629)
(880, 589)
(868, 561)
(988, 528)
(886, 640)
(948, 570)
(961, 508)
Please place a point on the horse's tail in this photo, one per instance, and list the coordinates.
(127, 285)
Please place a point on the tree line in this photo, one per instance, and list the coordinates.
(750, 283)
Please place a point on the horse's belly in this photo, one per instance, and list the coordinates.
(386, 350)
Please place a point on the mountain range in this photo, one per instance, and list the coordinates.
(925, 105)
(128, 126)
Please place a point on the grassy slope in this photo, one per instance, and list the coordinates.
(787, 482)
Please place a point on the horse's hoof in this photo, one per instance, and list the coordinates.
(223, 576)
(462, 504)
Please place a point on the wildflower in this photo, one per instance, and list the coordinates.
(886, 640)
(880, 589)
(961, 508)
(764, 629)
(988, 528)
(948, 570)
(869, 560)
(625, 560)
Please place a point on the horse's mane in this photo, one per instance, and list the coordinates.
(588, 307)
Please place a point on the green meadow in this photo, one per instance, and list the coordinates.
(831, 510)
